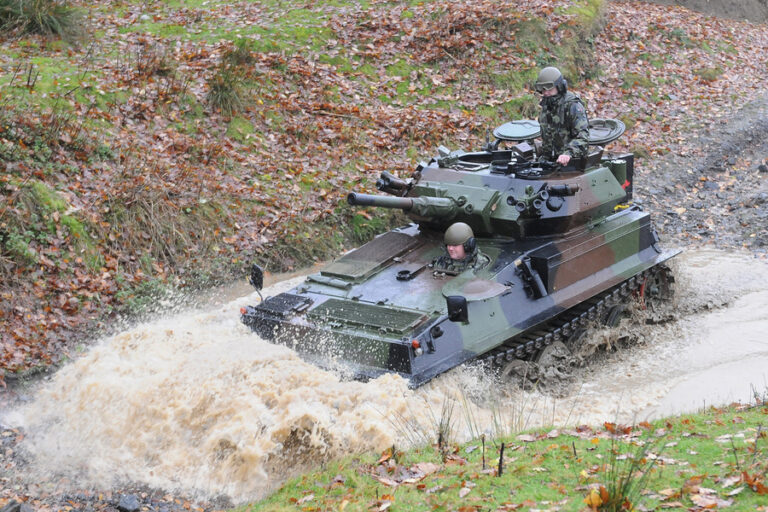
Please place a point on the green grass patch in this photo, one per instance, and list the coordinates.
(46, 17)
(38, 218)
(680, 35)
(48, 200)
(240, 128)
(589, 15)
(306, 244)
(709, 74)
(532, 35)
(227, 90)
(681, 462)
(657, 61)
(401, 68)
(515, 80)
(632, 80)
(141, 299)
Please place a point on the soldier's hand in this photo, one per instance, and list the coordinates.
(564, 159)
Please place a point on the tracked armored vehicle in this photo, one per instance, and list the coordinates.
(556, 248)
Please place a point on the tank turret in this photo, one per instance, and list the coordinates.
(505, 193)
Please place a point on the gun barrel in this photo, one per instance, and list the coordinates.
(357, 199)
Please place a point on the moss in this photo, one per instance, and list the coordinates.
(631, 80)
(240, 129)
(48, 199)
(531, 35)
(709, 74)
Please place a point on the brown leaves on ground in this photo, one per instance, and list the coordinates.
(390, 473)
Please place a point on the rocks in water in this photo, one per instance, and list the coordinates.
(15, 506)
(129, 503)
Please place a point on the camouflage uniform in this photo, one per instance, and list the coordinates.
(564, 127)
(447, 265)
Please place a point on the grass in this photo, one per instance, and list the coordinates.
(226, 90)
(709, 74)
(632, 80)
(46, 17)
(713, 458)
(305, 244)
(41, 217)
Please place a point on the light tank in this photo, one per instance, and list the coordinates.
(555, 248)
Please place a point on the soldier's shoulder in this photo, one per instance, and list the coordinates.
(575, 104)
(571, 97)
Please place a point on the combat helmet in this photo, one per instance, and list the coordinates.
(460, 233)
(550, 77)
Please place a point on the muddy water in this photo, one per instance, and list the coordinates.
(197, 403)
(716, 353)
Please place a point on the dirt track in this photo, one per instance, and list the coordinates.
(716, 193)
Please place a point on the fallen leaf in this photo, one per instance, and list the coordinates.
(308, 497)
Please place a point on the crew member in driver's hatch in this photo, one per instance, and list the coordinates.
(461, 251)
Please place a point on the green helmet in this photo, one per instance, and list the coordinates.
(548, 78)
(458, 234)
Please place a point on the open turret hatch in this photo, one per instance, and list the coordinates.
(517, 131)
(601, 131)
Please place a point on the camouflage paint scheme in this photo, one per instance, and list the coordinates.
(564, 126)
(381, 308)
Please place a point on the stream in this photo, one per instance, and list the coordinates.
(196, 403)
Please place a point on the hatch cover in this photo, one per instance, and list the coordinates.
(524, 129)
(366, 315)
(364, 261)
(603, 131)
